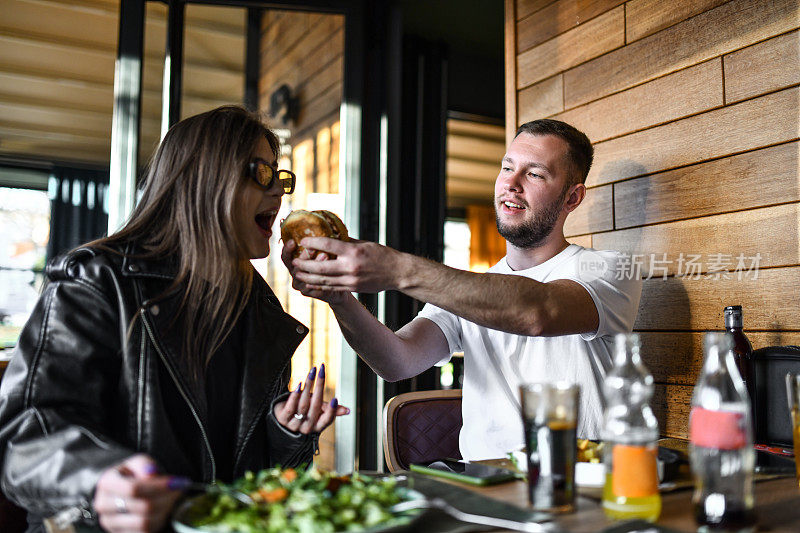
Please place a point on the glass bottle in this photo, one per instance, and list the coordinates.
(742, 349)
(630, 435)
(721, 442)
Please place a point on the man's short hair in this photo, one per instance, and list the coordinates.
(580, 152)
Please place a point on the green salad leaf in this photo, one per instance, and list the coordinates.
(303, 501)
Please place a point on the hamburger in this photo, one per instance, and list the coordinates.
(321, 223)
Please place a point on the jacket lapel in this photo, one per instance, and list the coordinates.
(271, 337)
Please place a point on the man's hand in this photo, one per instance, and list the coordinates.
(331, 297)
(133, 497)
(360, 266)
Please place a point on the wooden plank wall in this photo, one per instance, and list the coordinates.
(305, 51)
(692, 106)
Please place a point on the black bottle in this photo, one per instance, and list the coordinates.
(742, 349)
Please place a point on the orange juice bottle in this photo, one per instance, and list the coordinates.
(631, 488)
(630, 432)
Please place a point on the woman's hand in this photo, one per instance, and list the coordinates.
(304, 411)
(330, 297)
(133, 497)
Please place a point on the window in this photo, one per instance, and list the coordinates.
(24, 233)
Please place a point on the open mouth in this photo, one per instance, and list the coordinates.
(265, 220)
(512, 205)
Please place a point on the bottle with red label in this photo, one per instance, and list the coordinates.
(721, 442)
(630, 436)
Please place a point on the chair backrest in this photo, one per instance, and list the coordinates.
(421, 427)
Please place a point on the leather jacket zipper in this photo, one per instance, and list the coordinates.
(140, 388)
(264, 406)
(184, 395)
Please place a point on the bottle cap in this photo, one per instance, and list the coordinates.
(733, 316)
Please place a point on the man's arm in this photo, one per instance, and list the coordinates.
(514, 304)
(414, 348)
(392, 355)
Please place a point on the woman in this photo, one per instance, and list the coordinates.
(155, 356)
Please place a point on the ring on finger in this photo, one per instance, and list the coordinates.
(121, 506)
(299, 416)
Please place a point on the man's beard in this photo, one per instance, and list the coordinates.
(532, 232)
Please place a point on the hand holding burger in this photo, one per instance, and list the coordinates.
(332, 269)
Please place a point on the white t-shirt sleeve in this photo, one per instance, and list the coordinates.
(448, 323)
(614, 289)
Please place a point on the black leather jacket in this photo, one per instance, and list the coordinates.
(82, 393)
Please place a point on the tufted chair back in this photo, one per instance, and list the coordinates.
(420, 427)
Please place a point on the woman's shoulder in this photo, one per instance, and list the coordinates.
(86, 262)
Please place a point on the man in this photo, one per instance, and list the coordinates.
(546, 312)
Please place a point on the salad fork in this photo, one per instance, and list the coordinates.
(213, 488)
(441, 505)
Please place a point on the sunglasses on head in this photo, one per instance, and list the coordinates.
(265, 175)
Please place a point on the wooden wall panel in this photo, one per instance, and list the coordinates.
(526, 7)
(743, 233)
(694, 304)
(22, 15)
(671, 404)
(751, 71)
(23, 87)
(294, 65)
(542, 99)
(695, 122)
(699, 87)
(27, 56)
(581, 240)
(752, 179)
(645, 17)
(467, 188)
(596, 37)
(322, 110)
(481, 149)
(558, 18)
(724, 29)
(323, 79)
(328, 51)
(744, 126)
(593, 215)
(472, 169)
(491, 132)
(677, 357)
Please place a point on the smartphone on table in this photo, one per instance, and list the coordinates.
(473, 473)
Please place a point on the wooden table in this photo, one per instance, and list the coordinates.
(777, 506)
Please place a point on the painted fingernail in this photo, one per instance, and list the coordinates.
(312, 373)
(151, 469)
(347, 412)
(322, 370)
(298, 387)
(334, 403)
(178, 483)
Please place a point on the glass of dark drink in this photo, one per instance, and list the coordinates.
(549, 417)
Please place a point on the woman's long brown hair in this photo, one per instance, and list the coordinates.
(186, 216)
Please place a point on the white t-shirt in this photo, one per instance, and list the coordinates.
(492, 424)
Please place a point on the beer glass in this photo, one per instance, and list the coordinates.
(549, 417)
(793, 395)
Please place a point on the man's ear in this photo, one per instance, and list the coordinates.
(575, 196)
